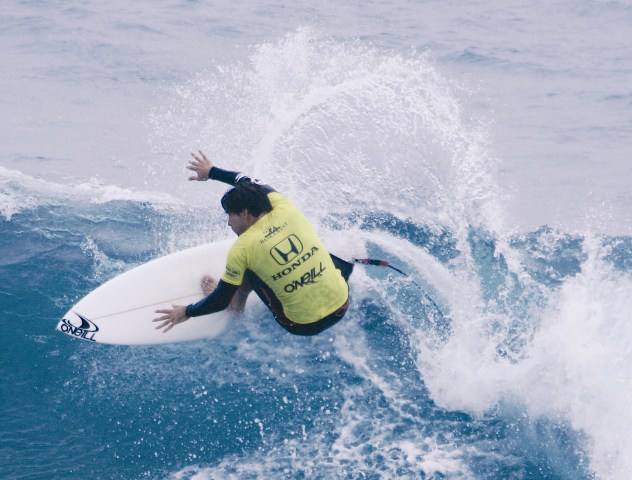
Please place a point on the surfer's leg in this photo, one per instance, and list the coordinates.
(345, 267)
(238, 303)
(264, 292)
(310, 329)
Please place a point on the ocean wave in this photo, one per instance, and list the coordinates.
(20, 192)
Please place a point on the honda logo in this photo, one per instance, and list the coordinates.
(287, 250)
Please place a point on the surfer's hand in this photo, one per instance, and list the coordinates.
(171, 317)
(201, 165)
(208, 284)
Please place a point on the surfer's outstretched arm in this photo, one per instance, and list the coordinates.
(201, 165)
(205, 170)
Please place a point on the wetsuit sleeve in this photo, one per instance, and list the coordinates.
(215, 302)
(233, 178)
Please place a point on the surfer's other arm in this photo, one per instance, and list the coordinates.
(216, 301)
(172, 317)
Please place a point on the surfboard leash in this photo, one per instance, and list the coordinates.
(384, 263)
(379, 263)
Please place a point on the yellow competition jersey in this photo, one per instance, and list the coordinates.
(284, 251)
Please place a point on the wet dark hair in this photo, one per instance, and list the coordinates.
(246, 196)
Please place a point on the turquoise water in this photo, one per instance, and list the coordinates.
(481, 149)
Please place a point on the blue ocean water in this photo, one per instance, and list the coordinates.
(483, 149)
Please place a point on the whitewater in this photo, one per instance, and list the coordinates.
(482, 149)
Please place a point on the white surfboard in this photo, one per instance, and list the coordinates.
(121, 310)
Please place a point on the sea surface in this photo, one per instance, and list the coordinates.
(483, 148)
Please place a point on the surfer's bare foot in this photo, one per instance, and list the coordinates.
(208, 284)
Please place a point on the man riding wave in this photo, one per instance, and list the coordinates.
(278, 254)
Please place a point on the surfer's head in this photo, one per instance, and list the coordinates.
(245, 204)
(246, 196)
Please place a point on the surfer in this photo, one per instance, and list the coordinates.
(277, 254)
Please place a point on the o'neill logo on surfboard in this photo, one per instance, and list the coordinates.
(79, 327)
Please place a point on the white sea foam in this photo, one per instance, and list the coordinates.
(344, 126)
(572, 368)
